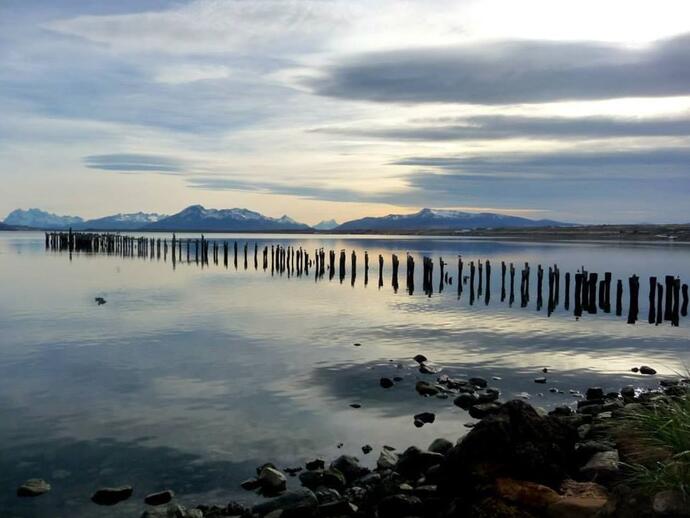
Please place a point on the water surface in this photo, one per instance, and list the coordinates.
(188, 378)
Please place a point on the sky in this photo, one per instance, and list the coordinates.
(569, 110)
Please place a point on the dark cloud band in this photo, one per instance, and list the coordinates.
(512, 72)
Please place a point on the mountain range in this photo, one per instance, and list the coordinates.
(197, 218)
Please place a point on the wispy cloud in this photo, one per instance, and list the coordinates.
(130, 163)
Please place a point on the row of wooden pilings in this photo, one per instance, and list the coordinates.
(668, 300)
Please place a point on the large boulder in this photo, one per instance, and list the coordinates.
(515, 442)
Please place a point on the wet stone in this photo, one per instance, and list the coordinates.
(33, 487)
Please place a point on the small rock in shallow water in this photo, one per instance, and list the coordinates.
(545, 370)
(355, 405)
(100, 301)
(635, 369)
(478, 382)
(315, 464)
(111, 495)
(397, 379)
(250, 484)
(272, 481)
(420, 358)
(425, 388)
(425, 369)
(594, 393)
(386, 382)
(160, 498)
(484, 410)
(366, 449)
(33, 487)
(387, 460)
(356, 344)
(647, 370)
(465, 400)
(540, 380)
(425, 417)
(440, 445)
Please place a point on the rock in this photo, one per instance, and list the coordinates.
(298, 503)
(397, 379)
(174, 511)
(601, 465)
(235, 509)
(272, 481)
(676, 391)
(357, 344)
(33, 487)
(387, 460)
(420, 358)
(355, 405)
(563, 410)
(100, 301)
(329, 478)
(293, 471)
(579, 500)
(487, 395)
(425, 369)
(160, 498)
(111, 495)
(349, 467)
(425, 388)
(425, 417)
(594, 393)
(465, 400)
(635, 369)
(315, 464)
(515, 442)
(545, 370)
(483, 410)
(251, 484)
(413, 461)
(440, 445)
(478, 382)
(647, 370)
(585, 450)
(540, 380)
(366, 449)
(671, 503)
(668, 383)
(326, 495)
(386, 382)
(397, 506)
(340, 508)
(526, 494)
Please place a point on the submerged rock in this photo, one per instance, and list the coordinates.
(425, 388)
(300, 502)
(420, 358)
(111, 495)
(160, 498)
(647, 370)
(386, 382)
(33, 487)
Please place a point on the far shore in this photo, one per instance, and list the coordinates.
(671, 233)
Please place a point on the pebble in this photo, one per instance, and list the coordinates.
(366, 449)
(33, 487)
(386, 382)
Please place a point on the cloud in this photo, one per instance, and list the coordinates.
(504, 127)
(128, 163)
(512, 72)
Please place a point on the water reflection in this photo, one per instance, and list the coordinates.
(189, 378)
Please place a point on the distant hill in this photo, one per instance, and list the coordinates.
(450, 220)
(37, 218)
(198, 218)
(134, 221)
(328, 224)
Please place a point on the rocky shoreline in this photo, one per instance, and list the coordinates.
(516, 461)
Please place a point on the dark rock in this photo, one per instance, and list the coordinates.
(387, 460)
(329, 478)
(386, 382)
(465, 400)
(397, 506)
(160, 498)
(478, 382)
(298, 503)
(425, 369)
(635, 369)
(585, 450)
(326, 495)
(33, 487)
(483, 410)
(250, 484)
(602, 465)
(413, 461)
(563, 410)
(293, 471)
(397, 379)
(100, 301)
(272, 481)
(235, 509)
(177, 511)
(647, 370)
(668, 383)
(425, 388)
(425, 417)
(540, 380)
(315, 464)
(676, 391)
(111, 495)
(545, 370)
(366, 449)
(420, 358)
(440, 445)
(355, 405)
(516, 442)
(487, 395)
(594, 393)
(339, 508)
(349, 467)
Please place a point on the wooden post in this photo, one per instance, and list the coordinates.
(684, 308)
(652, 298)
(668, 307)
(619, 298)
(660, 304)
(633, 309)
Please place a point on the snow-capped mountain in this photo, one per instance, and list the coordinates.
(435, 219)
(37, 218)
(198, 218)
(327, 224)
(132, 221)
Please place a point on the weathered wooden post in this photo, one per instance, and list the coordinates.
(354, 267)
(592, 297)
(503, 281)
(540, 282)
(550, 304)
(578, 294)
(668, 308)
(460, 265)
(366, 268)
(660, 304)
(633, 310)
(684, 308)
(566, 302)
(395, 263)
(380, 271)
(652, 300)
(607, 292)
(512, 285)
(410, 274)
(675, 312)
(619, 298)
(487, 293)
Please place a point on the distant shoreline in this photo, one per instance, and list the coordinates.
(609, 233)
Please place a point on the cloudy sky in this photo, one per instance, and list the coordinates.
(571, 110)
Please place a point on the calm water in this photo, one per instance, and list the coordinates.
(189, 378)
